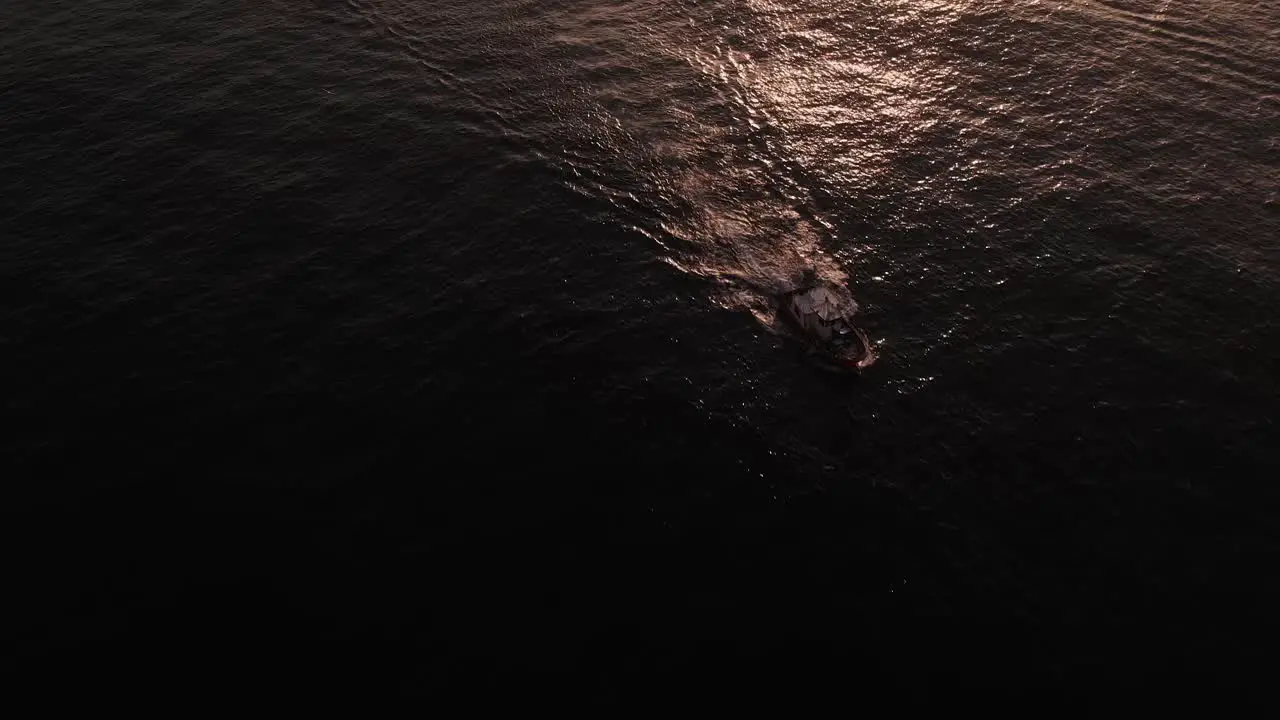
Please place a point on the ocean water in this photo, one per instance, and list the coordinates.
(434, 343)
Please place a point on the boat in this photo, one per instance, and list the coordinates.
(823, 314)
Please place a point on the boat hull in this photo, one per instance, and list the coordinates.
(828, 328)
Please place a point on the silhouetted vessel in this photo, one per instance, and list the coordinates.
(823, 314)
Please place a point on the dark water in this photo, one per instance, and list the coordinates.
(422, 345)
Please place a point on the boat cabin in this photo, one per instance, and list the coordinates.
(821, 313)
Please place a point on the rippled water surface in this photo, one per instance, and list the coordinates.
(393, 285)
